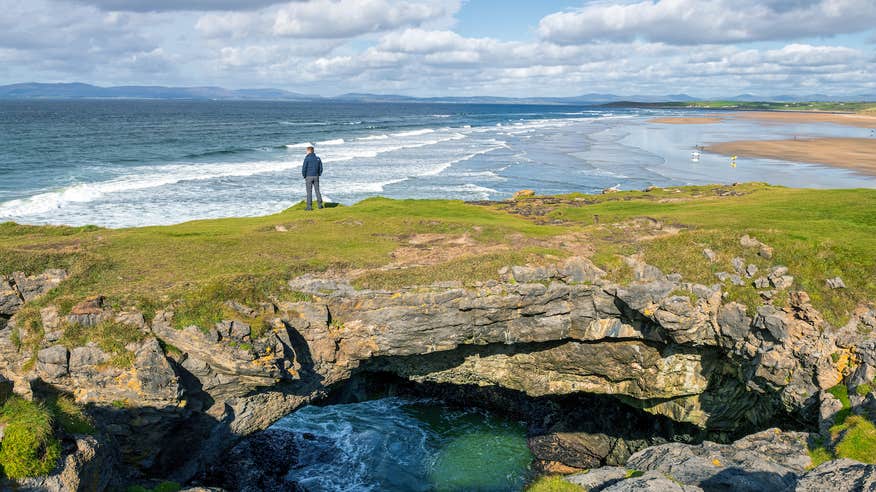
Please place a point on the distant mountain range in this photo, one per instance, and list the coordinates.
(76, 90)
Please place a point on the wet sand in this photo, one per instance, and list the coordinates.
(685, 120)
(851, 119)
(858, 154)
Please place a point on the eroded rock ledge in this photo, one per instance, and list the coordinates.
(659, 344)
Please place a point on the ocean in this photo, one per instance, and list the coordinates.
(134, 163)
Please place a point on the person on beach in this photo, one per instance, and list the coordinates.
(311, 171)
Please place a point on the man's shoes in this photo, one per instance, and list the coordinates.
(308, 209)
(319, 206)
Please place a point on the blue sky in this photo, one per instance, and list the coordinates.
(706, 48)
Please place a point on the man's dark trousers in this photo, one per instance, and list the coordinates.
(312, 183)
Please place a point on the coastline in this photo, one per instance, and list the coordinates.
(686, 120)
(857, 154)
(849, 119)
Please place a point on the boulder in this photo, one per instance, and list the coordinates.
(580, 270)
(50, 318)
(10, 300)
(749, 242)
(782, 282)
(836, 283)
(241, 309)
(523, 194)
(765, 252)
(528, 274)
(89, 312)
(768, 460)
(734, 322)
(84, 359)
(52, 362)
(34, 286)
(828, 407)
(710, 255)
(649, 482)
(262, 461)
(156, 377)
(132, 318)
(843, 475)
(598, 478)
(772, 320)
(738, 265)
(89, 467)
(240, 331)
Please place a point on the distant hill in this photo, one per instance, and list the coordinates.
(34, 90)
(77, 90)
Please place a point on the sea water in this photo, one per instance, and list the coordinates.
(398, 444)
(133, 163)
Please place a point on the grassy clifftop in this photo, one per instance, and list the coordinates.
(382, 243)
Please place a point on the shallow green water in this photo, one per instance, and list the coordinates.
(395, 444)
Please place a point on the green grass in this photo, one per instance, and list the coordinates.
(864, 389)
(69, 416)
(110, 336)
(162, 487)
(853, 436)
(553, 483)
(772, 106)
(841, 393)
(196, 266)
(858, 441)
(29, 447)
(205, 305)
(834, 238)
(467, 269)
(818, 452)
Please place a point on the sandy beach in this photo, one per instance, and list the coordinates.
(851, 119)
(685, 120)
(858, 154)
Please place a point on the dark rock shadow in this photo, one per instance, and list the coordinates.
(741, 480)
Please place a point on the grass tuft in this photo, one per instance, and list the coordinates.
(69, 416)
(553, 483)
(858, 441)
(29, 446)
(112, 337)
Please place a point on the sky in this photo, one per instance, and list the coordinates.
(704, 48)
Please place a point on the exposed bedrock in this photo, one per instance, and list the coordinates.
(658, 345)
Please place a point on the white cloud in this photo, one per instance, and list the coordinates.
(708, 21)
(326, 19)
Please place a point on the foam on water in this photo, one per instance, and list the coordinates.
(163, 170)
(395, 444)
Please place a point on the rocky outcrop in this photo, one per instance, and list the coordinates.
(768, 460)
(87, 467)
(839, 476)
(660, 345)
(261, 462)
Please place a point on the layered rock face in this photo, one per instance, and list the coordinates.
(659, 345)
(768, 460)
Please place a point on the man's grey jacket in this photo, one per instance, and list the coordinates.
(312, 166)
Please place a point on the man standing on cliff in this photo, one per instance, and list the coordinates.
(312, 170)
